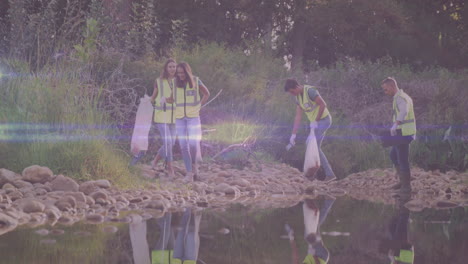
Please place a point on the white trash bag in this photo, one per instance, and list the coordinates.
(142, 127)
(312, 158)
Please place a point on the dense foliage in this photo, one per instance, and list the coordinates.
(310, 32)
(85, 64)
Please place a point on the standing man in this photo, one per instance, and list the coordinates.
(404, 127)
(308, 100)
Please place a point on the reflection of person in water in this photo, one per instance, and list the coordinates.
(182, 250)
(164, 250)
(397, 244)
(138, 239)
(314, 216)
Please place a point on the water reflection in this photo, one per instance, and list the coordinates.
(397, 244)
(315, 213)
(176, 244)
(321, 230)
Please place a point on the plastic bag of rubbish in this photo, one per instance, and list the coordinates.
(312, 158)
(142, 126)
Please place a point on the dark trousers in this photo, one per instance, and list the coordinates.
(399, 155)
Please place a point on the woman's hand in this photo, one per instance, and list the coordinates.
(170, 100)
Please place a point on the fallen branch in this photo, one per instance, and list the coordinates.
(244, 146)
(213, 98)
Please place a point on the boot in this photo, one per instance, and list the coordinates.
(137, 157)
(155, 161)
(397, 185)
(189, 177)
(195, 171)
(170, 169)
(405, 180)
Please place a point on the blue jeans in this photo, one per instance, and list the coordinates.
(189, 134)
(399, 155)
(168, 136)
(322, 126)
(187, 242)
(166, 237)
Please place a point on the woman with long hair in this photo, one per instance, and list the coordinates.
(164, 113)
(190, 95)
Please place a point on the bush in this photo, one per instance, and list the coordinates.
(98, 99)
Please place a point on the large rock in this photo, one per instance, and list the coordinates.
(9, 186)
(241, 182)
(15, 195)
(105, 184)
(36, 173)
(89, 187)
(37, 219)
(101, 194)
(7, 223)
(66, 203)
(31, 206)
(79, 196)
(7, 176)
(22, 184)
(20, 216)
(156, 204)
(222, 187)
(232, 190)
(62, 183)
(95, 218)
(53, 213)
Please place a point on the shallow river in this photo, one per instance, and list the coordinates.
(322, 229)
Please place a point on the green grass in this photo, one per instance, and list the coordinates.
(234, 132)
(51, 119)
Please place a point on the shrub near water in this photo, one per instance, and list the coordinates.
(51, 119)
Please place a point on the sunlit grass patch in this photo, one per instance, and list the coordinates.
(234, 132)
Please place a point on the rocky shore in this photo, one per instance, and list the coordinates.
(37, 196)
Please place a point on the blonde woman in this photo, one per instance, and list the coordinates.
(164, 113)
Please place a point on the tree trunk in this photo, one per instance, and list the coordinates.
(119, 10)
(298, 34)
(298, 42)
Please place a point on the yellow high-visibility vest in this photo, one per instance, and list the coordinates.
(164, 113)
(310, 107)
(408, 126)
(188, 100)
(309, 259)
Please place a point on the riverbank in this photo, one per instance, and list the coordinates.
(37, 196)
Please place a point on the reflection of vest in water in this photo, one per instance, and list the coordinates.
(310, 107)
(408, 127)
(309, 259)
(178, 261)
(164, 113)
(162, 257)
(188, 100)
(166, 257)
(406, 256)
